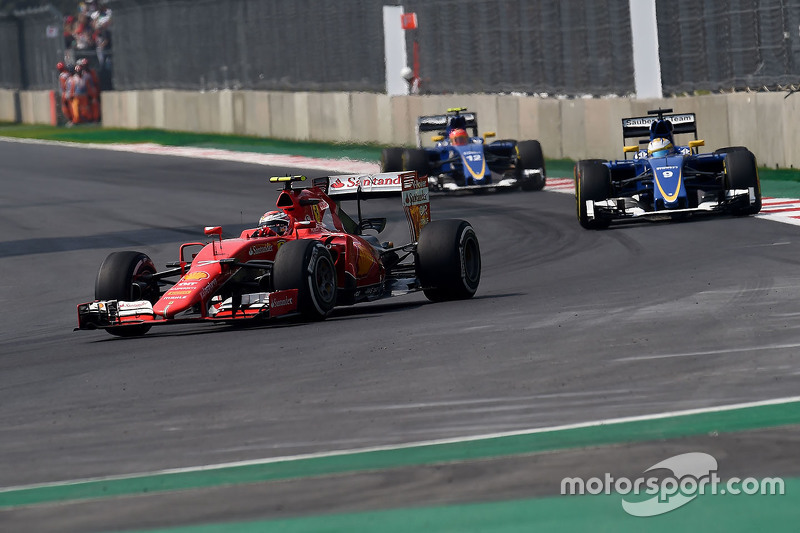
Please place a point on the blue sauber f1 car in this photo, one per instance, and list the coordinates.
(459, 161)
(665, 180)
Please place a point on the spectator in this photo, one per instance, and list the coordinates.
(93, 90)
(64, 73)
(82, 33)
(79, 87)
(101, 22)
(69, 28)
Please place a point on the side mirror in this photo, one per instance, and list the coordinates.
(186, 257)
(437, 138)
(214, 230)
(377, 223)
(488, 134)
(631, 149)
(694, 145)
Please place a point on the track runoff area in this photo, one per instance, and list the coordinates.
(571, 503)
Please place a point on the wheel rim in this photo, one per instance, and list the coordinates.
(472, 261)
(140, 289)
(325, 279)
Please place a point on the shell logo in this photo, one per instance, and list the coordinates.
(198, 274)
(317, 213)
(176, 292)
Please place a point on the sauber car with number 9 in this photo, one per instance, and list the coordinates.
(460, 162)
(319, 259)
(673, 181)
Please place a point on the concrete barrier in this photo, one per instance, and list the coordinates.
(9, 106)
(35, 107)
(567, 128)
(770, 122)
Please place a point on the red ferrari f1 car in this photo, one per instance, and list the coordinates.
(304, 259)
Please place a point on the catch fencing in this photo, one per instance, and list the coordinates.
(549, 47)
(10, 69)
(728, 45)
(30, 46)
(467, 46)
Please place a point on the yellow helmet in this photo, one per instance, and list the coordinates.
(659, 147)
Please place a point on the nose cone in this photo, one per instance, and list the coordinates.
(190, 290)
(473, 160)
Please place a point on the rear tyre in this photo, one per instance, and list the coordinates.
(306, 265)
(592, 182)
(391, 160)
(741, 172)
(416, 159)
(123, 276)
(530, 156)
(448, 260)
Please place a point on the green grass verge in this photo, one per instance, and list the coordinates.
(566, 514)
(97, 134)
(728, 421)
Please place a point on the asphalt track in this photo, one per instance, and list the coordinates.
(568, 326)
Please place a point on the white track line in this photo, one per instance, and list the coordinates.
(435, 442)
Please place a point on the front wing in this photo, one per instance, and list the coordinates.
(628, 208)
(102, 314)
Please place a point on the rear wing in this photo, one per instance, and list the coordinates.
(383, 184)
(438, 123)
(639, 127)
(413, 191)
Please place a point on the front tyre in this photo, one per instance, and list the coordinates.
(306, 265)
(592, 183)
(448, 260)
(391, 160)
(530, 157)
(126, 276)
(741, 172)
(416, 159)
(729, 149)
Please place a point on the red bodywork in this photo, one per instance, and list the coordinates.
(202, 285)
(355, 259)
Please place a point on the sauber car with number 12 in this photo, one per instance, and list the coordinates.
(678, 183)
(322, 259)
(469, 164)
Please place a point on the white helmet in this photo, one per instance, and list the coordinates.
(659, 147)
(277, 221)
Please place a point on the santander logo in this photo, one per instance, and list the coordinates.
(281, 302)
(337, 184)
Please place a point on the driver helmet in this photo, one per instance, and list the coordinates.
(459, 137)
(659, 147)
(277, 221)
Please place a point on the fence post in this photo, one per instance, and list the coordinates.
(394, 39)
(646, 63)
